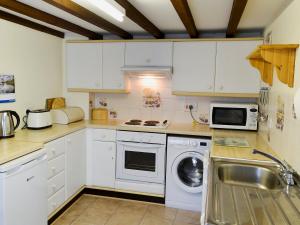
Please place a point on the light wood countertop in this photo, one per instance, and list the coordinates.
(48, 134)
(11, 149)
(27, 141)
(255, 141)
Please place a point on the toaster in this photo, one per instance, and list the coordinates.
(38, 119)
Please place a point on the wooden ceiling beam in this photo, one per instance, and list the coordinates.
(84, 14)
(30, 24)
(183, 10)
(137, 17)
(47, 18)
(237, 11)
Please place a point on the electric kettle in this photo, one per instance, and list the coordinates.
(7, 126)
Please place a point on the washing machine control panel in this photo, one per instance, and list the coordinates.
(202, 144)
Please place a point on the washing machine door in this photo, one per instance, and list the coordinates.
(187, 171)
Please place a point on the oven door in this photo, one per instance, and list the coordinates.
(229, 117)
(141, 162)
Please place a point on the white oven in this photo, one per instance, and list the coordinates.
(138, 160)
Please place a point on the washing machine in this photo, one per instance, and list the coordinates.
(186, 174)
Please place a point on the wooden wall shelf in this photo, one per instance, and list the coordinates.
(282, 57)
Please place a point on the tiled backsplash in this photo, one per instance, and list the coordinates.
(151, 98)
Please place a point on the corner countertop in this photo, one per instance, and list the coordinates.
(11, 149)
(27, 141)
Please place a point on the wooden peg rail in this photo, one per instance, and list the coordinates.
(282, 57)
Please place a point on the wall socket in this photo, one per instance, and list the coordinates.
(187, 105)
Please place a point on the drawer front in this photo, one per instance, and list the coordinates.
(104, 135)
(56, 165)
(56, 183)
(56, 200)
(55, 148)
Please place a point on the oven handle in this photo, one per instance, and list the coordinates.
(139, 145)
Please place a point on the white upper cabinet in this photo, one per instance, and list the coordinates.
(194, 66)
(234, 74)
(148, 54)
(84, 65)
(113, 60)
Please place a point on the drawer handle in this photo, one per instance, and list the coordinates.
(53, 152)
(29, 178)
(103, 136)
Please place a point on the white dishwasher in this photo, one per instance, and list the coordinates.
(23, 190)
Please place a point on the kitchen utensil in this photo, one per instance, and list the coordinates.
(100, 114)
(38, 119)
(7, 126)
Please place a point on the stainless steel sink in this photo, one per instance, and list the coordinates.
(250, 176)
(250, 192)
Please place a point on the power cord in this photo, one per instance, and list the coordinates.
(191, 107)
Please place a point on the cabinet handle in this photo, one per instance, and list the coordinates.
(53, 169)
(221, 87)
(53, 205)
(148, 60)
(54, 187)
(110, 148)
(68, 141)
(53, 152)
(210, 87)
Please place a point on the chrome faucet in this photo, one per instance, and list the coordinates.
(286, 171)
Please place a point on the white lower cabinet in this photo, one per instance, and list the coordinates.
(101, 157)
(66, 168)
(56, 179)
(56, 200)
(103, 164)
(75, 162)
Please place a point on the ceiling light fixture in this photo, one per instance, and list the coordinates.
(109, 7)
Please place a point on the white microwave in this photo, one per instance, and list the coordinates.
(240, 116)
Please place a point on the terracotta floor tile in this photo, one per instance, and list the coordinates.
(73, 212)
(132, 207)
(188, 217)
(120, 218)
(106, 205)
(61, 221)
(92, 216)
(162, 212)
(154, 220)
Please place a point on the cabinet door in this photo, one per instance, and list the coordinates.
(75, 162)
(84, 65)
(148, 54)
(234, 74)
(113, 60)
(103, 168)
(194, 66)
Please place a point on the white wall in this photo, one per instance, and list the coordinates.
(35, 58)
(285, 30)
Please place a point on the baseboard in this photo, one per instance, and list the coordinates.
(106, 193)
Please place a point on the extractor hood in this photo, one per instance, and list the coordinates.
(156, 71)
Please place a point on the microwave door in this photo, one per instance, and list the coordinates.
(229, 117)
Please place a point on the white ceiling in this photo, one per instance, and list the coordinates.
(208, 14)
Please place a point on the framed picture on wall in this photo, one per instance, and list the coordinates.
(7, 88)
